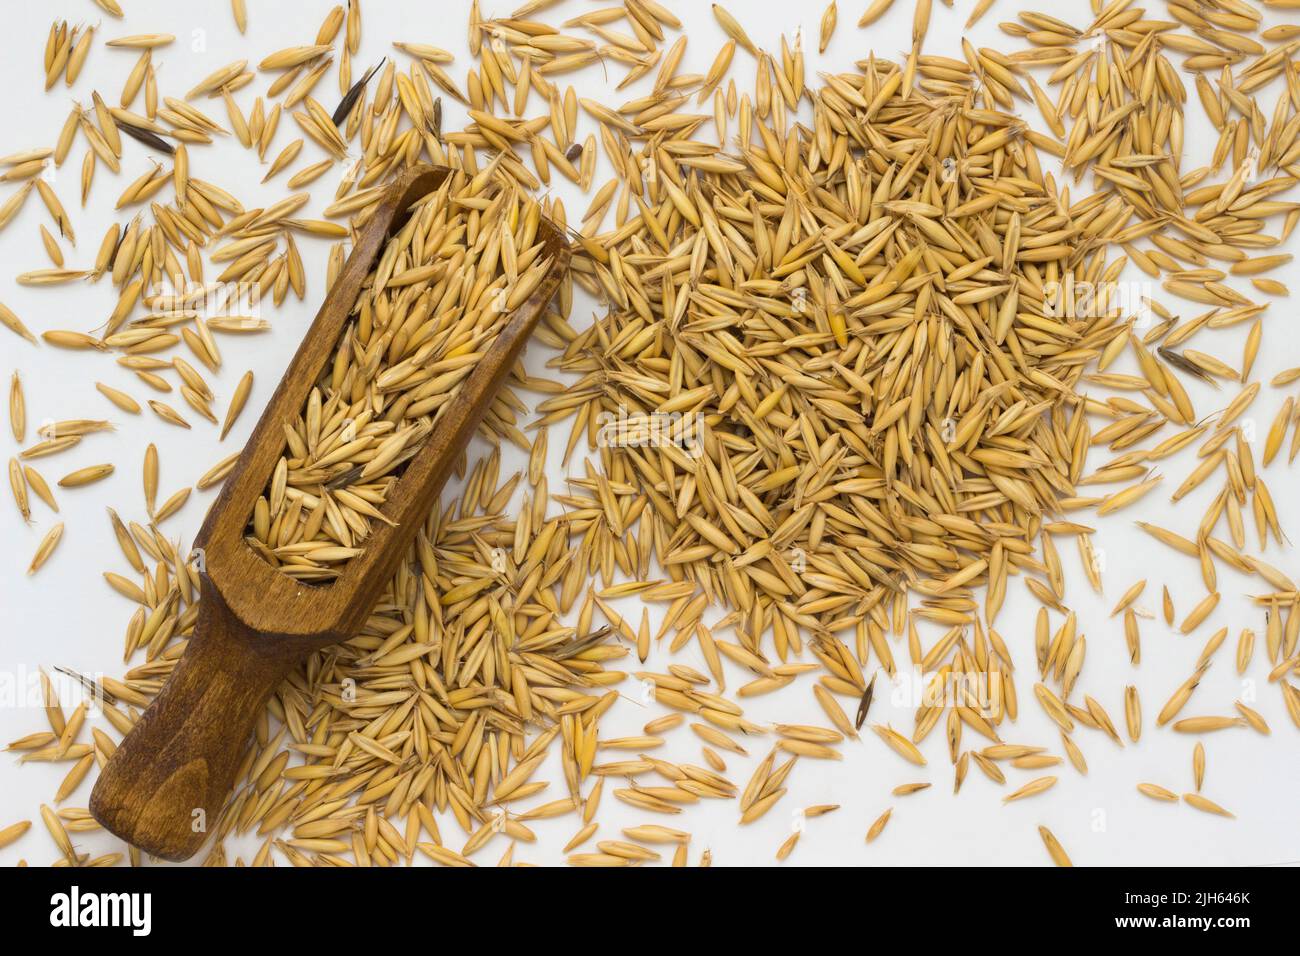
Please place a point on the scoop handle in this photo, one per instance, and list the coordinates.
(163, 788)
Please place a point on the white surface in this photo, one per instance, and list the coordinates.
(66, 615)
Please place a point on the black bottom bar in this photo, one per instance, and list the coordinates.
(587, 907)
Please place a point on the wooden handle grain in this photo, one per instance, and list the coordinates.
(166, 784)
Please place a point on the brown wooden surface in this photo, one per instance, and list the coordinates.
(255, 623)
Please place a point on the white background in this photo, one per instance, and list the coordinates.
(67, 615)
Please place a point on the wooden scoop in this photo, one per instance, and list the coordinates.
(167, 782)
